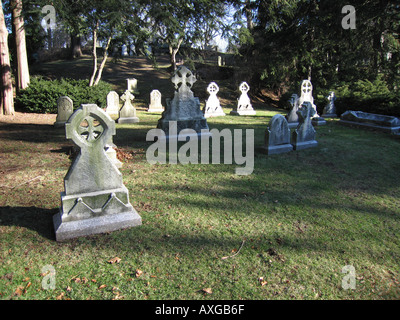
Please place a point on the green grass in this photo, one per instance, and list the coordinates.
(297, 220)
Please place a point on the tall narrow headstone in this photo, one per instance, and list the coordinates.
(127, 114)
(304, 136)
(277, 136)
(213, 107)
(155, 102)
(113, 104)
(306, 90)
(330, 109)
(65, 107)
(292, 117)
(184, 109)
(244, 107)
(95, 199)
(132, 85)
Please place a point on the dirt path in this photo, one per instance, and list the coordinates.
(28, 118)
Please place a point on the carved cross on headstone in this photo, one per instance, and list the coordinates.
(212, 88)
(244, 87)
(127, 97)
(183, 79)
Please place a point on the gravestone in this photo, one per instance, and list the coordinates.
(292, 117)
(304, 136)
(155, 102)
(184, 108)
(95, 199)
(306, 89)
(113, 104)
(213, 107)
(132, 85)
(277, 136)
(330, 109)
(379, 122)
(65, 107)
(127, 114)
(244, 107)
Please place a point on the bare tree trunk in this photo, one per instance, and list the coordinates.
(76, 50)
(7, 98)
(103, 63)
(94, 55)
(20, 45)
(173, 51)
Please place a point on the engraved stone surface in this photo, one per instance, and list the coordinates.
(277, 136)
(213, 106)
(65, 107)
(304, 136)
(95, 199)
(244, 107)
(330, 109)
(127, 114)
(306, 95)
(155, 102)
(376, 121)
(184, 108)
(113, 104)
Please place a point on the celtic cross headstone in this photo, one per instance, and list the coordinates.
(127, 114)
(244, 107)
(95, 199)
(213, 106)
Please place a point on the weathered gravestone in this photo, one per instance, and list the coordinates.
(304, 136)
(371, 120)
(155, 102)
(292, 117)
(124, 50)
(330, 109)
(65, 107)
(132, 85)
(95, 199)
(213, 107)
(244, 107)
(277, 136)
(113, 104)
(127, 114)
(306, 89)
(183, 111)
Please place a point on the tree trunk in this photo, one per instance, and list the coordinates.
(6, 94)
(76, 50)
(173, 51)
(94, 55)
(20, 45)
(103, 63)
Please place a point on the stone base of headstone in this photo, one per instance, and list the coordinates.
(304, 145)
(318, 121)
(243, 113)
(93, 213)
(329, 115)
(214, 114)
(283, 148)
(194, 124)
(128, 120)
(155, 110)
(60, 124)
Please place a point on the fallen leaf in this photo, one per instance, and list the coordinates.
(69, 289)
(18, 291)
(60, 296)
(207, 290)
(102, 286)
(114, 260)
(138, 273)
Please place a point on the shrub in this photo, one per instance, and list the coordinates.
(41, 96)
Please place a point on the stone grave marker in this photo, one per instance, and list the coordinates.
(127, 114)
(113, 104)
(132, 85)
(244, 107)
(306, 89)
(277, 136)
(304, 136)
(330, 109)
(213, 106)
(65, 107)
(292, 117)
(155, 102)
(184, 108)
(95, 199)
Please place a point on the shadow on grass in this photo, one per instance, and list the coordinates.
(36, 219)
(40, 133)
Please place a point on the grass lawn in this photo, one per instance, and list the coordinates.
(284, 232)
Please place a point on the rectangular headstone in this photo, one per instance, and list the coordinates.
(64, 110)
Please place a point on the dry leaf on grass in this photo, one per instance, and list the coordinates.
(138, 273)
(114, 260)
(207, 290)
